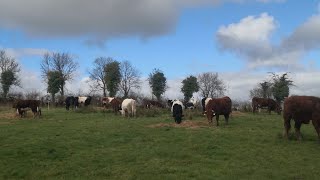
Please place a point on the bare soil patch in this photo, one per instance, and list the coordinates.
(184, 124)
(237, 114)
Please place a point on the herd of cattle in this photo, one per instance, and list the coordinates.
(302, 109)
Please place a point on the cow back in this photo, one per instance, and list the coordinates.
(219, 105)
(302, 108)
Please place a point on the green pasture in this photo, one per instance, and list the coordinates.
(96, 144)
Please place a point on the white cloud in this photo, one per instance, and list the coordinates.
(250, 39)
(98, 20)
(21, 52)
(250, 29)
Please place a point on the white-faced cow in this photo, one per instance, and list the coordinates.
(204, 103)
(177, 111)
(219, 106)
(128, 107)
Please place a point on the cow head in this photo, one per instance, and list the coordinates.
(278, 108)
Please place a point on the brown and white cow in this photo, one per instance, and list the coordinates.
(204, 103)
(128, 107)
(301, 109)
(116, 105)
(106, 101)
(268, 103)
(217, 107)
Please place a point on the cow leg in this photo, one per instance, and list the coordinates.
(287, 126)
(297, 126)
(226, 117)
(209, 116)
(217, 119)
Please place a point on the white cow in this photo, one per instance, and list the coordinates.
(128, 106)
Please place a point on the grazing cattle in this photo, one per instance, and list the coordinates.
(128, 106)
(116, 105)
(106, 101)
(70, 101)
(151, 103)
(204, 103)
(177, 111)
(189, 105)
(301, 109)
(22, 105)
(84, 100)
(268, 103)
(219, 106)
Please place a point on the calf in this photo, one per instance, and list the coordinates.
(128, 106)
(301, 109)
(219, 106)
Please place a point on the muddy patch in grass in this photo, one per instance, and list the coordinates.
(184, 124)
(237, 114)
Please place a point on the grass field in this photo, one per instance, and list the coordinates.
(98, 145)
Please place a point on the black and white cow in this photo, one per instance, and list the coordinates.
(76, 101)
(84, 100)
(70, 101)
(177, 111)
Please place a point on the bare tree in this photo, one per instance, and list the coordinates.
(9, 72)
(130, 78)
(61, 62)
(33, 94)
(210, 85)
(97, 74)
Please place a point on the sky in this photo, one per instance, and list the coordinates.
(242, 40)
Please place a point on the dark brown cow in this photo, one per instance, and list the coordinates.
(301, 109)
(116, 105)
(271, 104)
(218, 106)
(151, 103)
(34, 105)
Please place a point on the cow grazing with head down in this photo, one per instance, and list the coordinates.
(116, 105)
(301, 109)
(217, 107)
(84, 100)
(106, 101)
(22, 105)
(177, 111)
(268, 103)
(191, 104)
(128, 106)
(70, 101)
(152, 103)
